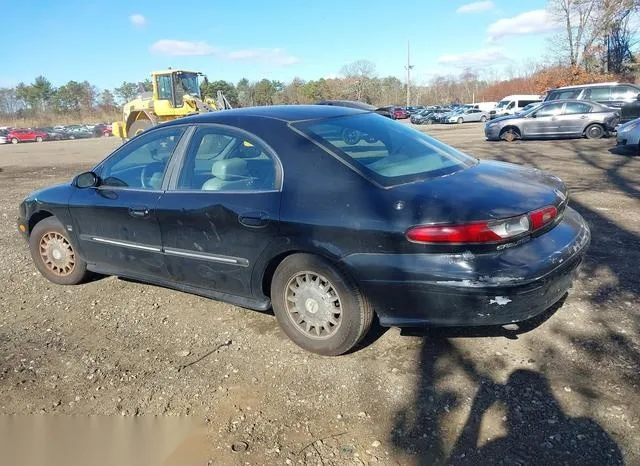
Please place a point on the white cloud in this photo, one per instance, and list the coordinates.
(184, 48)
(138, 20)
(475, 7)
(482, 57)
(527, 23)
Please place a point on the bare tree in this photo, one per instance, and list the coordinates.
(359, 75)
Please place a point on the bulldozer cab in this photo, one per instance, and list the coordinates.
(173, 85)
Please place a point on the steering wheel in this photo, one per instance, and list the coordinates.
(147, 173)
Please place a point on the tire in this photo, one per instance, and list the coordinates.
(14, 141)
(509, 134)
(594, 131)
(138, 127)
(69, 269)
(309, 276)
(483, 119)
(38, 139)
(460, 120)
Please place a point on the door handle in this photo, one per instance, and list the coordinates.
(254, 220)
(583, 117)
(142, 212)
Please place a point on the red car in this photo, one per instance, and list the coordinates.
(400, 113)
(23, 135)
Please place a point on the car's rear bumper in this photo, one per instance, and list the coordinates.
(464, 289)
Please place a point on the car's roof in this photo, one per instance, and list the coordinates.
(287, 113)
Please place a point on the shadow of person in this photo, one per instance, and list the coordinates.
(538, 431)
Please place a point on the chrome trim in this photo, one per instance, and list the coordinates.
(206, 256)
(239, 261)
(125, 244)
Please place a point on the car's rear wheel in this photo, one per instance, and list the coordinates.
(509, 134)
(38, 139)
(317, 306)
(594, 132)
(54, 255)
(14, 141)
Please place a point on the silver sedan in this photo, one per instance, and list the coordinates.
(557, 118)
(470, 114)
(628, 136)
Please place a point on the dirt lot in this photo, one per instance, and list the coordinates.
(564, 392)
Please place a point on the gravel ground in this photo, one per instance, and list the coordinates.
(565, 391)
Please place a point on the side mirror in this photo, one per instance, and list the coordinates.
(86, 180)
(533, 115)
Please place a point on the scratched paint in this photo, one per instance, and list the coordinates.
(500, 300)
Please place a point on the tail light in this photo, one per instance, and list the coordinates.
(483, 232)
(542, 217)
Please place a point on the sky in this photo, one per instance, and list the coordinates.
(110, 42)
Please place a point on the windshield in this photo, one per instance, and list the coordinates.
(389, 152)
(189, 82)
(503, 103)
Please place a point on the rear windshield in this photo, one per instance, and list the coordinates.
(387, 151)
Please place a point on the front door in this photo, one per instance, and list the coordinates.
(221, 211)
(116, 222)
(544, 121)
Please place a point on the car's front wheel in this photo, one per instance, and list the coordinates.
(54, 255)
(319, 307)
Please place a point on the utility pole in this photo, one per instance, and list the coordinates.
(408, 68)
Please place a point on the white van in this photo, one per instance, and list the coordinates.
(485, 106)
(512, 104)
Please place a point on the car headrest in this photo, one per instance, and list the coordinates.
(229, 170)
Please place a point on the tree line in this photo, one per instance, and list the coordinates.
(595, 43)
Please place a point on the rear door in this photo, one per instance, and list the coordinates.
(221, 210)
(600, 94)
(574, 118)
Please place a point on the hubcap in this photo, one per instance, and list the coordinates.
(57, 254)
(313, 305)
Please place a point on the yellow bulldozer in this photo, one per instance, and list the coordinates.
(175, 94)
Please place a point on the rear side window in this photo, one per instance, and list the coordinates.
(577, 107)
(598, 93)
(624, 93)
(549, 110)
(524, 103)
(389, 152)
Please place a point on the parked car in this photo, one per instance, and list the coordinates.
(485, 106)
(78, 132)
(3, 136)
(630, 111)
(612, 94)
(558, 118)
(397, 113)
(223, 204)
(102, 130)
(529, 107)
(466, 115)
(420, 117)
(628, 136)
(52, 134)
(513, 104)
(25, 135)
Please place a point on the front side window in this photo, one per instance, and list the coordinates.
(219, 159)
(577, 107)
(387, 151)
(141, 164)
(563, 94)
(549, 110)
(164, 87)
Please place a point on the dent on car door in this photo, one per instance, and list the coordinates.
(221, 211)
(116, 221)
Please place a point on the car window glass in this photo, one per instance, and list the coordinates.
(387, 151)
(577, 107)
(549, 110)
(225, 161)
(623, 93)
(564, 94)
(141, 164)
(164, 87)
(598, 93)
